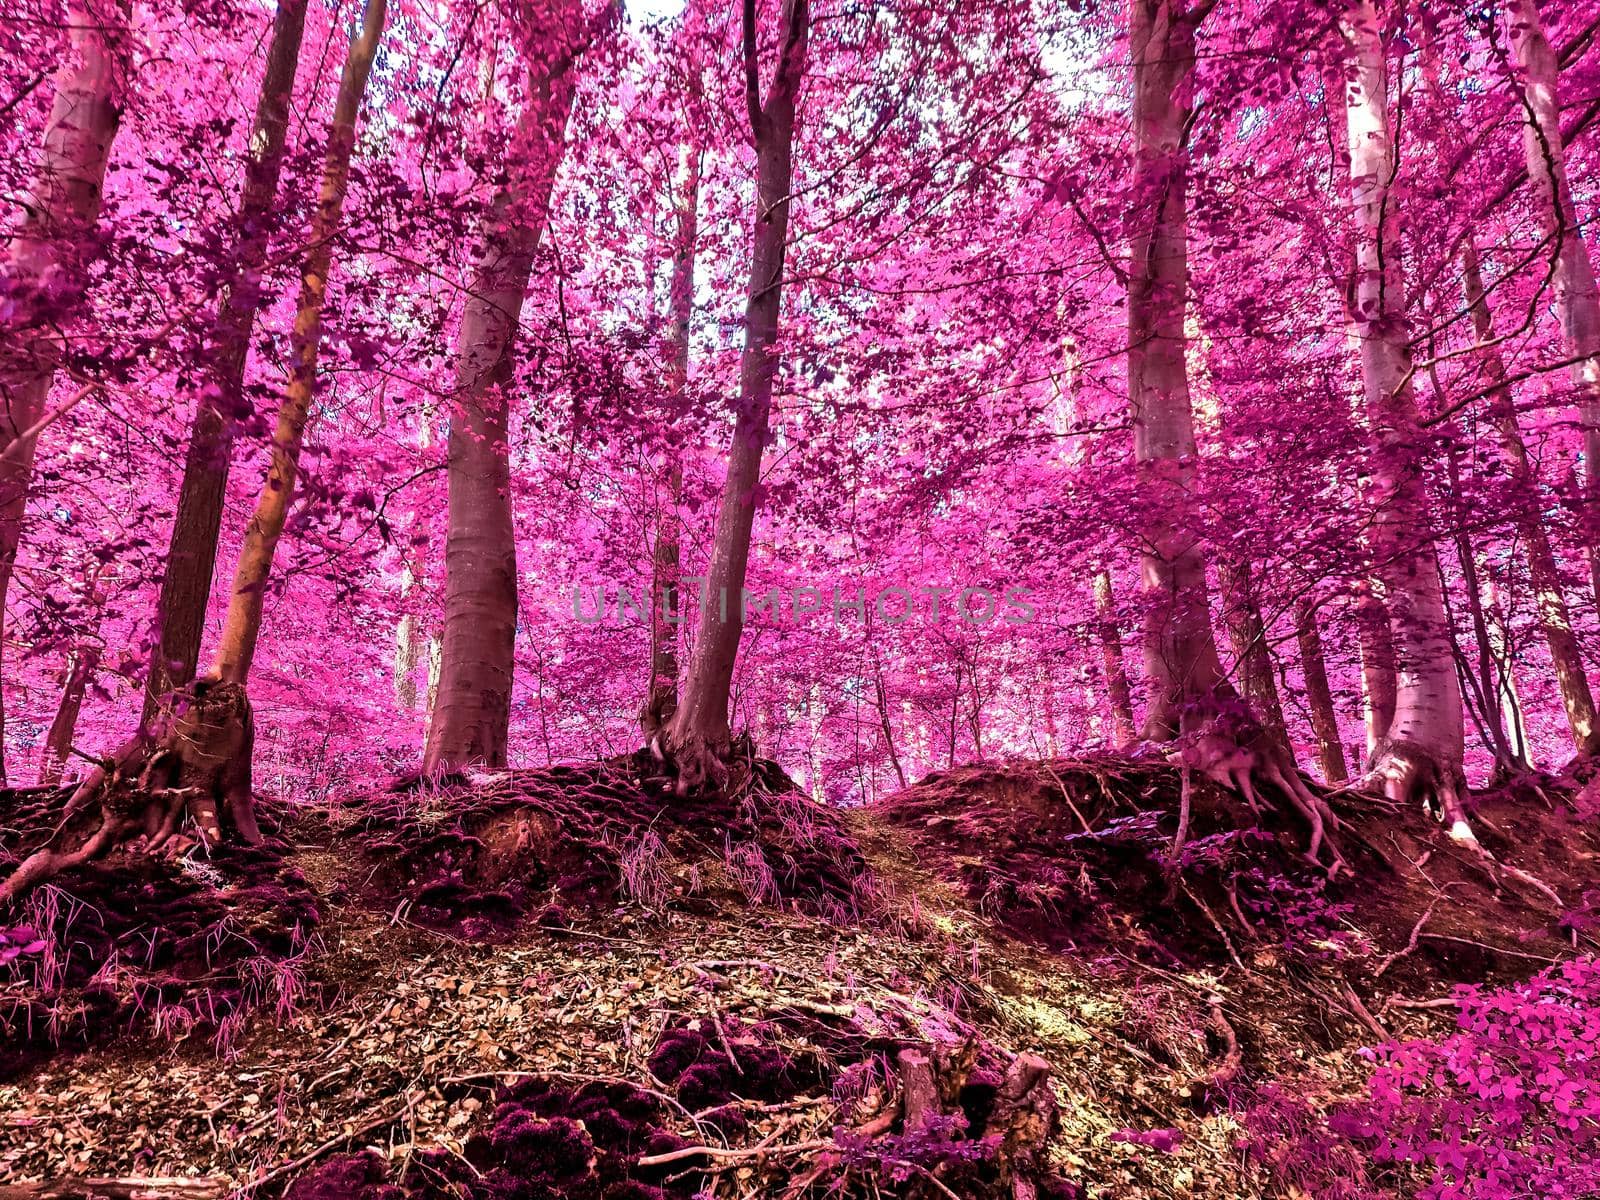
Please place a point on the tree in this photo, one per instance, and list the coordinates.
(192, 551)
(241, 628)
(1577, 296)
(1180, 653)
(698, 737)
(661, 701)
(1421, 753)
(45, 269)
(1119, 696)
(1555, 621)
(1319, 695)
(472, 712)
(1190, 699)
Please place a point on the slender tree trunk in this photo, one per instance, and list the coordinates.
(407, 638)
(1319, 696)
(815, 710)
(1047, 707)
(1119, 696)
(1555, 622)
(1181, 662)
(662, 701)
(1485, 682)
(1423, 751)
(471, 716)
(81, 667)
(882, 697)
(881, 694)
(44, 269)
(192, 551)
(237, 648)
(699, 735)
(1378, 682)
(1577, 297)
(1248, 635)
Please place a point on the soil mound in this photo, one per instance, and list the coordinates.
(481, 855)
(1077, 855)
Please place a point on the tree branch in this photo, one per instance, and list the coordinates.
(752, 73)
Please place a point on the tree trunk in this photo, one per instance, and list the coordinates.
(407, 639)
(881, 696)
(1526, 513)
(1180, 652)
(1485, 682)
(1118, 695)
(1191, 702)
(85, 660)
(1248, 635)
(662, 701)
(1378, 684)
(699, 737)
(237, 648)
(44, 269)
(1422, 753)
(1577, 298)
(471, 714)
(192, 551)
(1319, 696)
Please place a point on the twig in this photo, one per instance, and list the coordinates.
(1445, 937)
(1067, 796)
(388, 1118)
(1416, 936)
(722, 1036)
(722, 1155)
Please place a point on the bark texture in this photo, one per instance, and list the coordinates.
(1577, 297)
(471, 713)
(45, 266)
(192, 551)
(698, 737)
(1555, 621)
(1378, 681)
(237, 647)
(1422, 752)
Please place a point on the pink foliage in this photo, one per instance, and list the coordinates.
(1508, 1105)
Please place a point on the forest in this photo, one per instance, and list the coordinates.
(850, 599)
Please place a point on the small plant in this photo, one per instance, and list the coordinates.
(1288, 1137)
(18, 941)
(1508, 1105)
(751, 873)
(642, 864)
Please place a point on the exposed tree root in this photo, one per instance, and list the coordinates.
(1219, 738)
(1409, 774)
(190, 765)
(696, 766)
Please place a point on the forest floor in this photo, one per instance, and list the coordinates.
(727, 1001)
